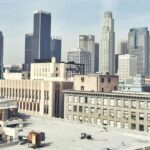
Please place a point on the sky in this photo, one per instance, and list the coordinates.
(70, 18)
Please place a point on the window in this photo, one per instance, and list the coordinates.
(86, 119)
(98, 111)
(102, 89)
(75, 108)
(74, 117)
(118, 114)
(105, 102)
(115, 88)
(111, 113)
(105, 112)
(141, 116)
(75, 99)
(133, 126)
(80, 118)
(82, 79)
(119, 103)
(141, 127)
(86, 110)
(126, 126)
(109, 80)
(126, 115)
(82, 88)
(102, 80)
(118, 124)
(126, 103)
(133, 104)
(105, 122)
(141, 104)
(99, 101)
(86, 100)
(80, 108)
(92, 100)
(70, 98)
(133, 115)
(69, 117)
(111, 123)
(92, 109)
(112, 102)
(98, 121)
(69, 108)
(81, 99)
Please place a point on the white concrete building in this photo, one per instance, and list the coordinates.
(127, 66)
(107, 45)
(55, 71)
(80, 56)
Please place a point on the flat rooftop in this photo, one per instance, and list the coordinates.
(65, 135)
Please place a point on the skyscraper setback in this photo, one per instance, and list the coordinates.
(107, 45)
(139, 46)
(42, 34)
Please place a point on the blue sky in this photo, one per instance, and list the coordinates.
(69, 19)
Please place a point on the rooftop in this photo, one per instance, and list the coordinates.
(65, 135)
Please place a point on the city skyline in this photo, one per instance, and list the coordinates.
(68, 25)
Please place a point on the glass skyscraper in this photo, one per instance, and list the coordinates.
(42, 34)
(107, 45)
(139, 46)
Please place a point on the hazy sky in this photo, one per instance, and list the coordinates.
(69, 19)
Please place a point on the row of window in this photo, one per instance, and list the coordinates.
(111, 123)
(109, 102)
(105, 112)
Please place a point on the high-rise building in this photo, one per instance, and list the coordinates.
(127, 67)
(139, 46)
(122, 47)
(29, 48)
(1, 54)
(42, 34)
(107, 45)
(87, 42)
(80, 56)
(96, 58)
(56, 48)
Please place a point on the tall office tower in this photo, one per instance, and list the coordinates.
(1, 54)
(29, 48)
(87, 42)
(80, 56)
(122, 47)
(96, 58)
(107, 45)
(56, 48)
(139, 46)
(42, 33)
(127, 67)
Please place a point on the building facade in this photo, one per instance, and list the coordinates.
(127, 66)
(80, 56)
(42, 34)
(36, 97)
(107, 45)
(51, 70)
(139, 46)
(56, 48)
(1, 54)
(116, 109)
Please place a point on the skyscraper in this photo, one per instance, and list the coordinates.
(56, 48)
(107, 45)
(1, 54)
(80, 56)
(139, 46)
(122, 47)
(87, 42)
(42, 34)
(1, 47)
(29, 48)
(127, 67)
(96, 58)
